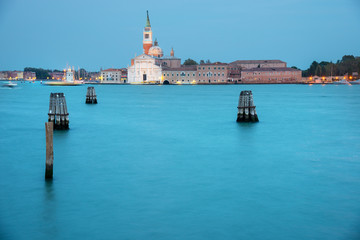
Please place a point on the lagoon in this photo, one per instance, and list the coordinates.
(170, 162)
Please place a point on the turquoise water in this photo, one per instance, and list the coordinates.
(170, 162)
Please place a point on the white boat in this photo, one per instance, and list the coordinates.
(355, 82)
(10, 85)
(341, 82)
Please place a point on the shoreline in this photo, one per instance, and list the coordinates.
(202, 84)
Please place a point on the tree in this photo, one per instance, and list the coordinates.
(40, 73)
(208, 61)
(346, 58)
(318, 71)
(313, 67)
(190, 61)
(202, 62)
(348, 64)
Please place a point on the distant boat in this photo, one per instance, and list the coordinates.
(69, 80)
(341, 82)
(356, 82)
(10, 85)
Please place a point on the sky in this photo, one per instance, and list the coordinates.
(90, 34)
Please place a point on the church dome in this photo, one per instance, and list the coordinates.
(155, 50)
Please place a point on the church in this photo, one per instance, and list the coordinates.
(147, 68)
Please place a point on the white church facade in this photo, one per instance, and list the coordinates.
(144, 70)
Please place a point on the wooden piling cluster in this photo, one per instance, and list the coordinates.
(91, 95)
(246, 108)
(58, 113)
(49, 129)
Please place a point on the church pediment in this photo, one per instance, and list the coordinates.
(143, 57)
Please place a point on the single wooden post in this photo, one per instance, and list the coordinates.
(52, 108)
(246, 108)
(49, 129)
(94, 96)
(66, 123)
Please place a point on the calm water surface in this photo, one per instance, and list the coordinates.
(170, 162)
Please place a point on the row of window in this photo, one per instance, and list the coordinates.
(112, 79)
(270, 79)
(111, 75)
(270, 73)
(210, 74)
(182, 74)
(199, 80)
(210, 68)
(207, 74)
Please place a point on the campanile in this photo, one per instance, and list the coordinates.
(147, 35)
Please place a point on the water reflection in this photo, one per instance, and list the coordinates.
(247, 133)
(49, 209)
(247, 128)
(49, 190)
(61, 134)
(247, 125)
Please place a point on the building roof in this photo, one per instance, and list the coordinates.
(169, 58)
(182, 68)
(112, 70)
(215, 63)
(283, 69)
(256, 61)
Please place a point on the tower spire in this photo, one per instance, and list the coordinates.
(147, 19)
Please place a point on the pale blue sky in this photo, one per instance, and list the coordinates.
(108, 33)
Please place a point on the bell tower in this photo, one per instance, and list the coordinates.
(147, 35)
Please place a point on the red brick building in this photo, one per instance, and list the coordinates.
(271, 75)
(212, 73)
(29, 75)
(57, 75)
(249, 64)
(15, 75)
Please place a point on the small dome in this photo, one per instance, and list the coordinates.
(155, 50)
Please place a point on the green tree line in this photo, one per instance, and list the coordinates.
(348, 64)
(190, 61)
(45, 73)
(40, 73)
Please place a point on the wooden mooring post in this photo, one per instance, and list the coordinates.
(49, 129)
(246, 108)
(58, 113)
(91, 95)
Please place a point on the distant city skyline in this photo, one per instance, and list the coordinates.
(94, 35)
